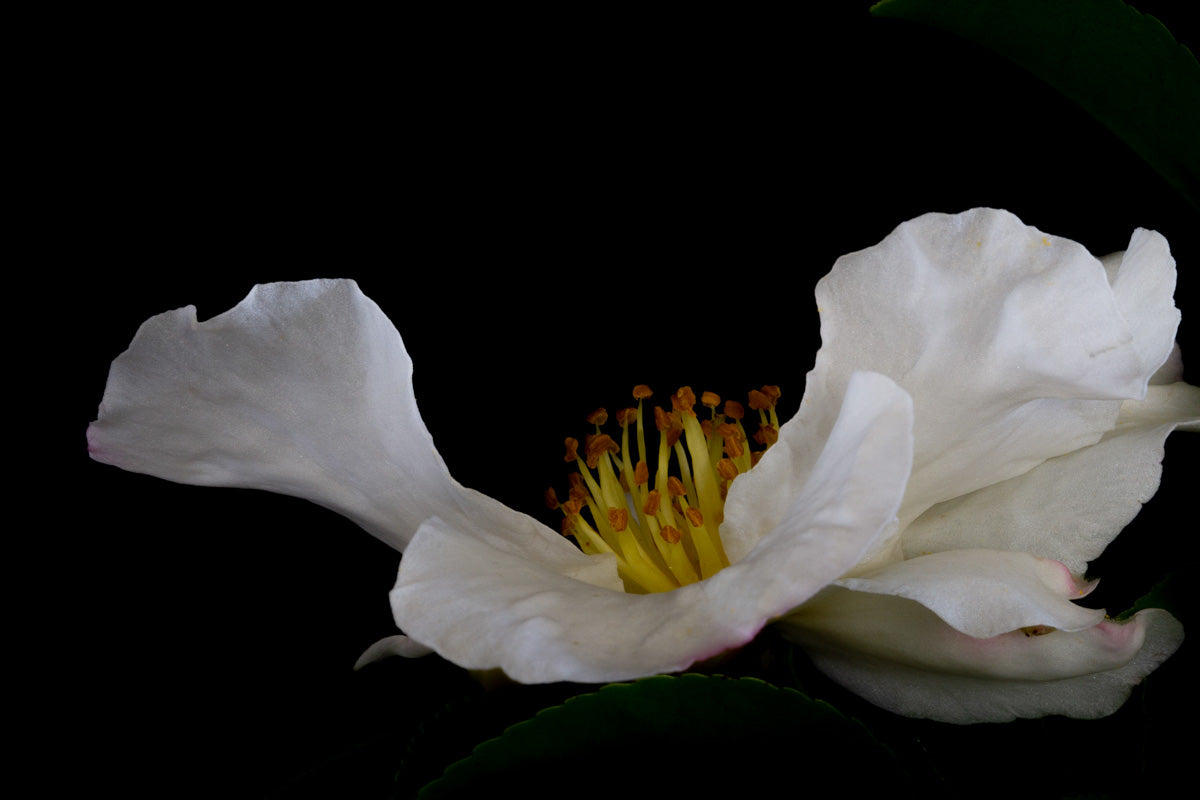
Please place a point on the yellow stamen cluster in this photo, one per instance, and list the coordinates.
(662, 523)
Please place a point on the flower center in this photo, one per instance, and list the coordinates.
(663, 527)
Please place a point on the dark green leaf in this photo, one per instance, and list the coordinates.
(1124, 68)
(687, 733)
(1167, 594)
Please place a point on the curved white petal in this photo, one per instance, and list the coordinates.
(303, 389)
(1143, 282)
(1175, 404)
(1012, 343)
(483, 607)
(1071, 507)
(758, 500)
(984, 593)
(388, 646)
(899, 655)
(1067, 509)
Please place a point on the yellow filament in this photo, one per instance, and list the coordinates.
(663, 529)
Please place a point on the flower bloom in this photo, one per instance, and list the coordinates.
(987, 411)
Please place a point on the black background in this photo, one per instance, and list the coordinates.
(550, 210)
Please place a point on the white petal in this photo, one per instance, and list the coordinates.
(1172, 404)
(1144, 285)
(303, 389)
(1067, 509)
(389, 646)
(1071, 507)
(985, 593)
(482, 607)
(758, 500)
(900, 656)
(1011, 342)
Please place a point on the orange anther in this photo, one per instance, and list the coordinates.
(727, 469)
(598, 445)
(641, 392)
(758, 400)
(653, 500)
(695, 517)
(572, 446)
(734, 409)
(683, 400)
(551, 498)
(618, 518)
(601, 443)
(670, 534)
(766, 435)
(572, 507)
(733, 446)
(598, 417)
(668, 424)
(772, 392)
(709, 399)
(730, 431)
(675, 487)
(626, 415)
(641, 473)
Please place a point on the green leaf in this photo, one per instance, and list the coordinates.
(1122, 67)
(1168, 594)
(685, 733)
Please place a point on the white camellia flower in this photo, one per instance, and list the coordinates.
(987, 411)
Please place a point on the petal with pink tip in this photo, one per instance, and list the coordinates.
(900, 655)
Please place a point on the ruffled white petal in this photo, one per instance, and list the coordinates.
(984, 593)
(1012, 343)
(1067, 509)
(1143, 282)
(303, 389)
(759, 500)
(1071, 507)
(899, 655)
(483, 607)
(1028, 362)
